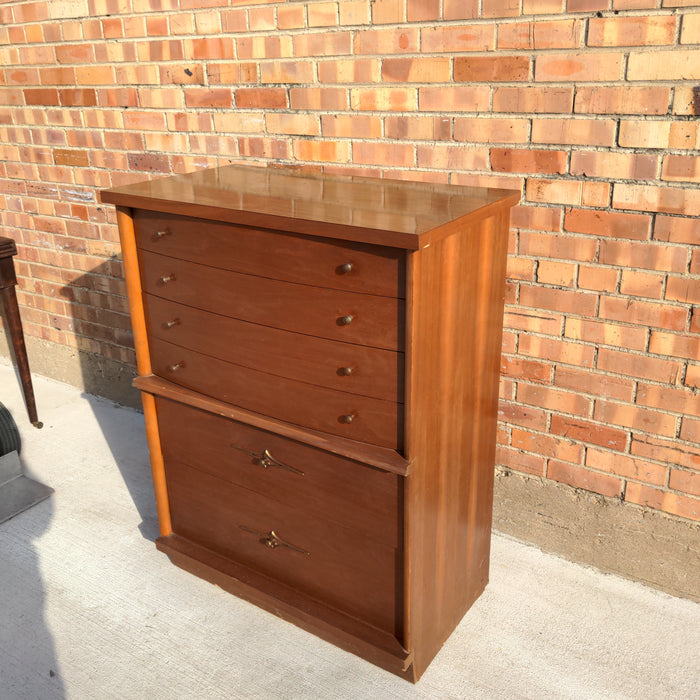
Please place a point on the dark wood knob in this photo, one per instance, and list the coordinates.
(347, 418)
(345, 268)
(345, 320)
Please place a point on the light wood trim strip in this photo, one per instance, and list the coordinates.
(127, 237)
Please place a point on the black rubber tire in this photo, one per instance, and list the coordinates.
(9, 434)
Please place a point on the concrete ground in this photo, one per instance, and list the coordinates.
(90, 609)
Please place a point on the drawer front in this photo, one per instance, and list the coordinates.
(321, 484)
(331, 563)
(339, 413)
(327, 313)
(339, 265)
(356, 369)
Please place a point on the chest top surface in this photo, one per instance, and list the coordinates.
(396, 213)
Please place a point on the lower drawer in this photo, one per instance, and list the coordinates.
(333, 564)
(319, 483)
(356, 417)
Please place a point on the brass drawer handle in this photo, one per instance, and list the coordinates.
(176, 367)
(272, 540)
(345, 320)
(161, 234)
(345, 268)
(170, 324)
(265, 460)
(345, 371)
(347, 418)
(164, 280)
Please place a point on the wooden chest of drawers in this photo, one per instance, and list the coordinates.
(318, 359)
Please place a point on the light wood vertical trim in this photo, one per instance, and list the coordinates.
(143, 362)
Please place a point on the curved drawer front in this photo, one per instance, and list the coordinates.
(336, 264)
(315, 482)
(327, 313)
(356, 369)
(339, 413)
(331, 563)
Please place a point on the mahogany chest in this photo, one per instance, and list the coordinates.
(319, 358)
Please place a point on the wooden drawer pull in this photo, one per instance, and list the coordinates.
(345, 320)
(169, 324)
(176, 367)
(272, 540)
(265, 460)
(161, 234)
(164, 280)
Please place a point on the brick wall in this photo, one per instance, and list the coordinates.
(586, 106)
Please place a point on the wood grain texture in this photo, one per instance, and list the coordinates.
(323, 485)
(351, 416)
(143, 362)
(456, 290)
(384, 212)
(375, 321)
(279, 255)
(374, 372)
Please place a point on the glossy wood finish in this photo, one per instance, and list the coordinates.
(324, 485)
(395, 213)
(394, 508)
(373, 320)
(456, 288)
(372, 371)
(335, 565)
(274, 254)
(8, 297)
(336, 412)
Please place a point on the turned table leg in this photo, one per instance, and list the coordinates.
(14, 323)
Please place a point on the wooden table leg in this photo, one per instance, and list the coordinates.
(14, 322)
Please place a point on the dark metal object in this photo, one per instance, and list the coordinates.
(8, 281)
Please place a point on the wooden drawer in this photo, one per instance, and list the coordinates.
(372, 371)
(333, 564)
(339, 413)
(327, 313)
(283, 256)
(313, 481)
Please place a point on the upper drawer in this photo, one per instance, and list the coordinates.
(365, 319)
(342, 265)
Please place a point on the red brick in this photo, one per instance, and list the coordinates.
(500, 8)
(323, 14)
(543, 7)
(416, 70)
(665, 398)
(260, 147)
(685, 135)
(556, 350)
(594, 383)
(606, 333)
(261, 98)
(417, 128)
(622, 100)
(535, 36)
(260, 47)
(589, 432)
(597, 278)
(351, 126)
(625, 166)
(383, 99)
(451, 157)
(627, 467)
(677, 230)
(41, 96)
(381, 153)
(554, 399)
(683, 289)
(182, 75)
(667, 451)
(287, 72)
(533, 321)
(631, 31)
(527, 416)
(491, 130)
(388, 11)
(460, 9)
(453, 99)
(519, 461)
(532, 370)
(608, 223)
(422, 10)
(455, 39)
(556, 273)
(647, 313)
(647, 256)
(637, 133)
(675, 504)
(292, 123)
(574, 302)
(680, 168)
(688, 482)
(644, 419)
(209, 48)
(327, 99)
(557, 246)
(540, 218)
(642, 284)
(231, 73)
(72, 158)
(151, 121)
(386, 41)
(547, 445)
(641, 366)
(554, 191)
(583, 478)
(581, 66)
(291, 17)
(353, 12)
(487, 69)
(537, 100)
(149, 162)
(674, 345)
(363, 70)
(527, 160)
(322, 151)
(682, 64)
(208, 97)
